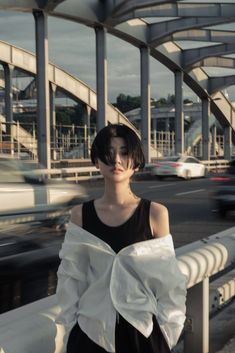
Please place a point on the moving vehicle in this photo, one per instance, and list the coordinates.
(223, 190)
(29, 259)
(27, 196)
(181, 166)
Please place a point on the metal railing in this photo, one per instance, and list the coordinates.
(67, 141)
(77, 174)
(199, 261)
(74, 141)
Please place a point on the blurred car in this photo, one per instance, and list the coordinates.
(28, 263)
(223, 190)
(181, 166)
(75, 153)
(28, 196)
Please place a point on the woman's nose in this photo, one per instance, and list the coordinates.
(117, 158)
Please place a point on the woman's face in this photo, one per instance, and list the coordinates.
(122, 166)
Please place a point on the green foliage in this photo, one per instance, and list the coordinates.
(126, 103)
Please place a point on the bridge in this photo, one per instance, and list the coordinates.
(160, 40)
(132, 21)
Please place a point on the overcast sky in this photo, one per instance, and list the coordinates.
(72, 48)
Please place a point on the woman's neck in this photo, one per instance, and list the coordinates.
(118, 194)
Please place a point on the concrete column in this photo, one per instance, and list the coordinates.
(179, 114)
(42, 84)
(87, 127)
(154, 124)
(214, 135)
(145, 102)
(8, 73)
(196, 338)
(53, 120)
(227, 142)
(205, 129)
(101, 77)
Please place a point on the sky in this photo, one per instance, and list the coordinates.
(72, 48)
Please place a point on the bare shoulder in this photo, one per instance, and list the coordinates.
(76, 215)
(159, 220)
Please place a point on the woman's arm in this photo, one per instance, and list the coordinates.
(76, 215)
(159, 220)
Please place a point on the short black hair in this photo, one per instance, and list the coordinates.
(100, 148)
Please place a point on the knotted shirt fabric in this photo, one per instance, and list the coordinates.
(95, 285)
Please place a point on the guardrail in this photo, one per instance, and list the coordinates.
(91, 172)
(216, 165)
(32, 328)
(71, 174)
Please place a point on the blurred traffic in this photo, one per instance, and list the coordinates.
(181, 166)
(34, 211)
(28, 263)
(223, 191)
(29, 249)
(26, 195)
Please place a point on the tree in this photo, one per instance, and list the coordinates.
(126, 103)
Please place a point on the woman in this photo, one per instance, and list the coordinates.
(119, 286)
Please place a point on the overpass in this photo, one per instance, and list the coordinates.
(129, 20)
(24, 61)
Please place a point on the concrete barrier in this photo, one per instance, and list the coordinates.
(32, 328)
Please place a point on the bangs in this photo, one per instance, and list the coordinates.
(101, 146)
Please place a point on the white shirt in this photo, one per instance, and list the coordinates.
(141, 280)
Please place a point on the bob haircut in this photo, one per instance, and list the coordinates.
(100, 148)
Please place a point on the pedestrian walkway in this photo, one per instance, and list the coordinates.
(229, 347)
(222, 331)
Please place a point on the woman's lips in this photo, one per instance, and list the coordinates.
(117, 170)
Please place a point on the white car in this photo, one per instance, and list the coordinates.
(181, 166)
(26, 196)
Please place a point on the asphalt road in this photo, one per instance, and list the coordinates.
(31, 274)
(192, 214)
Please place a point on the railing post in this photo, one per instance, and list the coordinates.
(18, 137)
(197, 323)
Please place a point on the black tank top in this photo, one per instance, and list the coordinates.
(135, 229)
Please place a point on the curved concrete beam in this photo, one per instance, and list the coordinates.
(26, 61)
(218, 83)
(173, 9)
(124, 6)
(220, 105)
(214, 61)
(191, 56)
(173, 30)
(169, 54)
(205, 35)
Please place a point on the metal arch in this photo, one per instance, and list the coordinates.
(216, 84)
(207, 35)
(220, 106)
(216, 61)
(170, 30)
(191, 9)
(191, 56)
(124, 6)
(89, 12)
(168, 54)
(74, 87)
(48, 5)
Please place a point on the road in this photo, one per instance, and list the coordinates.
(37, 246)
(189, 203)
